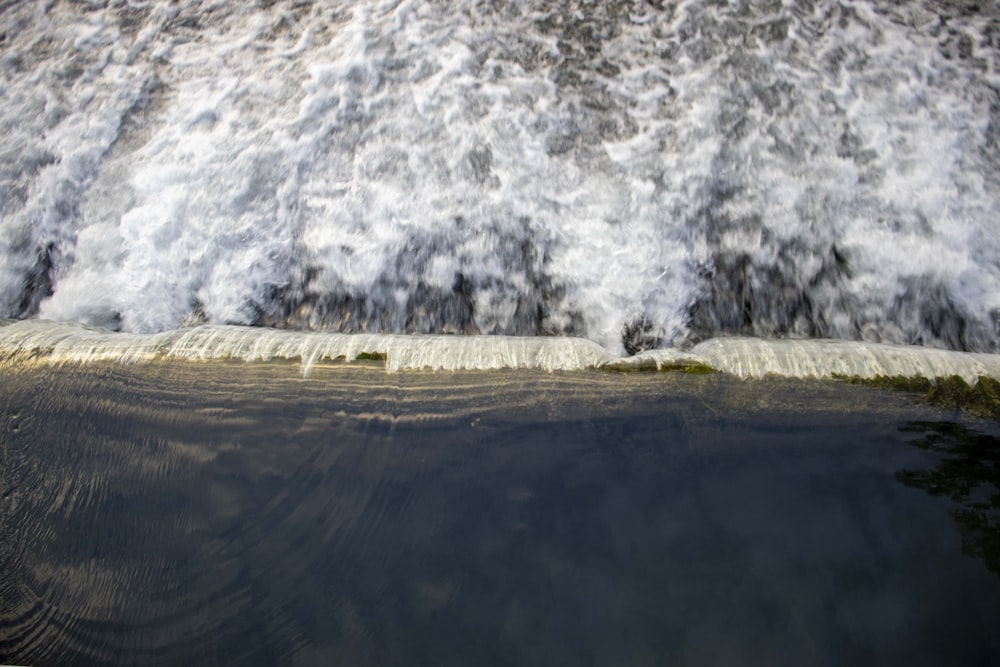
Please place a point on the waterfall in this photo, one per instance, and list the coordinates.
(644, 175)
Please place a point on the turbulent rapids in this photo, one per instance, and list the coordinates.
(644, 175)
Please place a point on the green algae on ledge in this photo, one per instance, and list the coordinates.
(372, 356)
(981, 399)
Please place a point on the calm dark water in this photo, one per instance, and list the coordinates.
(240, 514)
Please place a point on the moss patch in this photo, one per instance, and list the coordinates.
(691, 367)
(371, 356)
(650, 366)
(981, 399)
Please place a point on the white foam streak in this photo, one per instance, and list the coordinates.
(757, 358)
(57, 342)
(748, 358)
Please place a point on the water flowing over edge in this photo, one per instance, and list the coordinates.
(60, 342)
(642, 174)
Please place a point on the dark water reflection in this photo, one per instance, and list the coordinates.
(223, 514)
(968, 474)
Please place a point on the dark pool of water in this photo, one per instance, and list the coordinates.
(240, 514)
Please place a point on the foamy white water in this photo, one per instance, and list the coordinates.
(637, 174)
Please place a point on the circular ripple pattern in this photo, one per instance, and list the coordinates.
(210, 548)
(181, 512)
(200, 515)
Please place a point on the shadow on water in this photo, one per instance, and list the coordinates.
(969, 474)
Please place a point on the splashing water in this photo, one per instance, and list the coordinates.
(642, 174)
